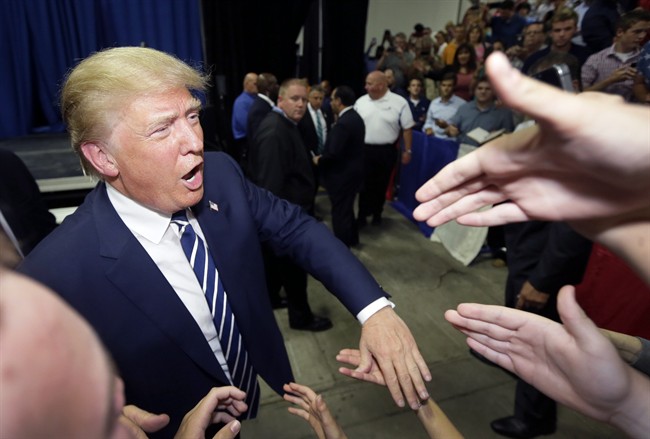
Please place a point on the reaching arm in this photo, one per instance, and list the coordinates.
(312, 408)
(433, 419)
(571, 363)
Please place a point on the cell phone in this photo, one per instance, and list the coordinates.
(557, 75)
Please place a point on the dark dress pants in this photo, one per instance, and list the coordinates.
(282, 272)
(379, 161)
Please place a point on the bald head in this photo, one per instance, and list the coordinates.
(55, 376)
(376, 84)
(250, 83)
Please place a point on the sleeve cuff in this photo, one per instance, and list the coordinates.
(371, 309)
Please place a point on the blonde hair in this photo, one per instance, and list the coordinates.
(107, 81)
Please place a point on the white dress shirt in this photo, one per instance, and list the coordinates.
(162, 242)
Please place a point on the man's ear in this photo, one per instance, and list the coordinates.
(100, 159)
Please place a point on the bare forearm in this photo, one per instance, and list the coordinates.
(633, 416)
(435, 422)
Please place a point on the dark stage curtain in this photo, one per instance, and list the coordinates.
(344, 30)
(42, 39)
(255, 36)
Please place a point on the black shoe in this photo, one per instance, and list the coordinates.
(316, 324)
(514, 427)
(280, 303)
(376, 220)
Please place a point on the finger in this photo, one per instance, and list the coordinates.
(229, 431)
(527, 95)
(221, 418)
(226, 392)
(361, 376)
(495, 356)
(299, 412)
(469, 204)
(397, 380)
(147, 421)
(303, 390)
(433, 207)
(134, 430)
(296, 400)
(452, 176)
(365, 360)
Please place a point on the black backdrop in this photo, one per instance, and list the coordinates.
(259, 36)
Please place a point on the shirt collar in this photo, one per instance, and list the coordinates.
(138, 218)
(267, 99)
(343, 111)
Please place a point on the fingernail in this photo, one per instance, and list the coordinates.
(400, 403)
(424, 395)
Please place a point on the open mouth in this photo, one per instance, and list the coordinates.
(190, 176)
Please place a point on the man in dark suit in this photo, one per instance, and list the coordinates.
(120, 260)
(314, 127)
(267, 95)
(542, 258)
(281, 163)
(341, 164)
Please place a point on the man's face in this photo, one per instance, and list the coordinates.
(483, 93)
(415, 88)
(335, 103)
(459, 34)
(65, 387)
(534, 35)
(506, 13)
(561, 33)
(400, 43)
(446, 88)
(376, 85)
(294, 102)
(390, 77)
(633, 37)
(157, 150)
(316, 99)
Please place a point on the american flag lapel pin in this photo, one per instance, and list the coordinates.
(214, 206)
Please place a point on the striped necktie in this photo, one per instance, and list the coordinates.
(242, 374)
(319, 133)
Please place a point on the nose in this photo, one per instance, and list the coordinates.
(191, 137)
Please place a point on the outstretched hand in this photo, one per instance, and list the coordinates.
(571, 363)
(588, 157)
(387, 342)
(312, 408)
(352, 357)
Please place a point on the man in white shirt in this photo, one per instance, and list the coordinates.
(387, 116)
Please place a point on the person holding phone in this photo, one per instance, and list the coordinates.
(613, 69)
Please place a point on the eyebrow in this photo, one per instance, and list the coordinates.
(192, 106)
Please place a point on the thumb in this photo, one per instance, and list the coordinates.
(525, 94)
(229, 431)
(574, 318)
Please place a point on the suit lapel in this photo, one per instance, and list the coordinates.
(136, 276)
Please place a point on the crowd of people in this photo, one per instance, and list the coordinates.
(132, 348)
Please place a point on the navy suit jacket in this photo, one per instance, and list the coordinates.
(96, 264)
(341, 165)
